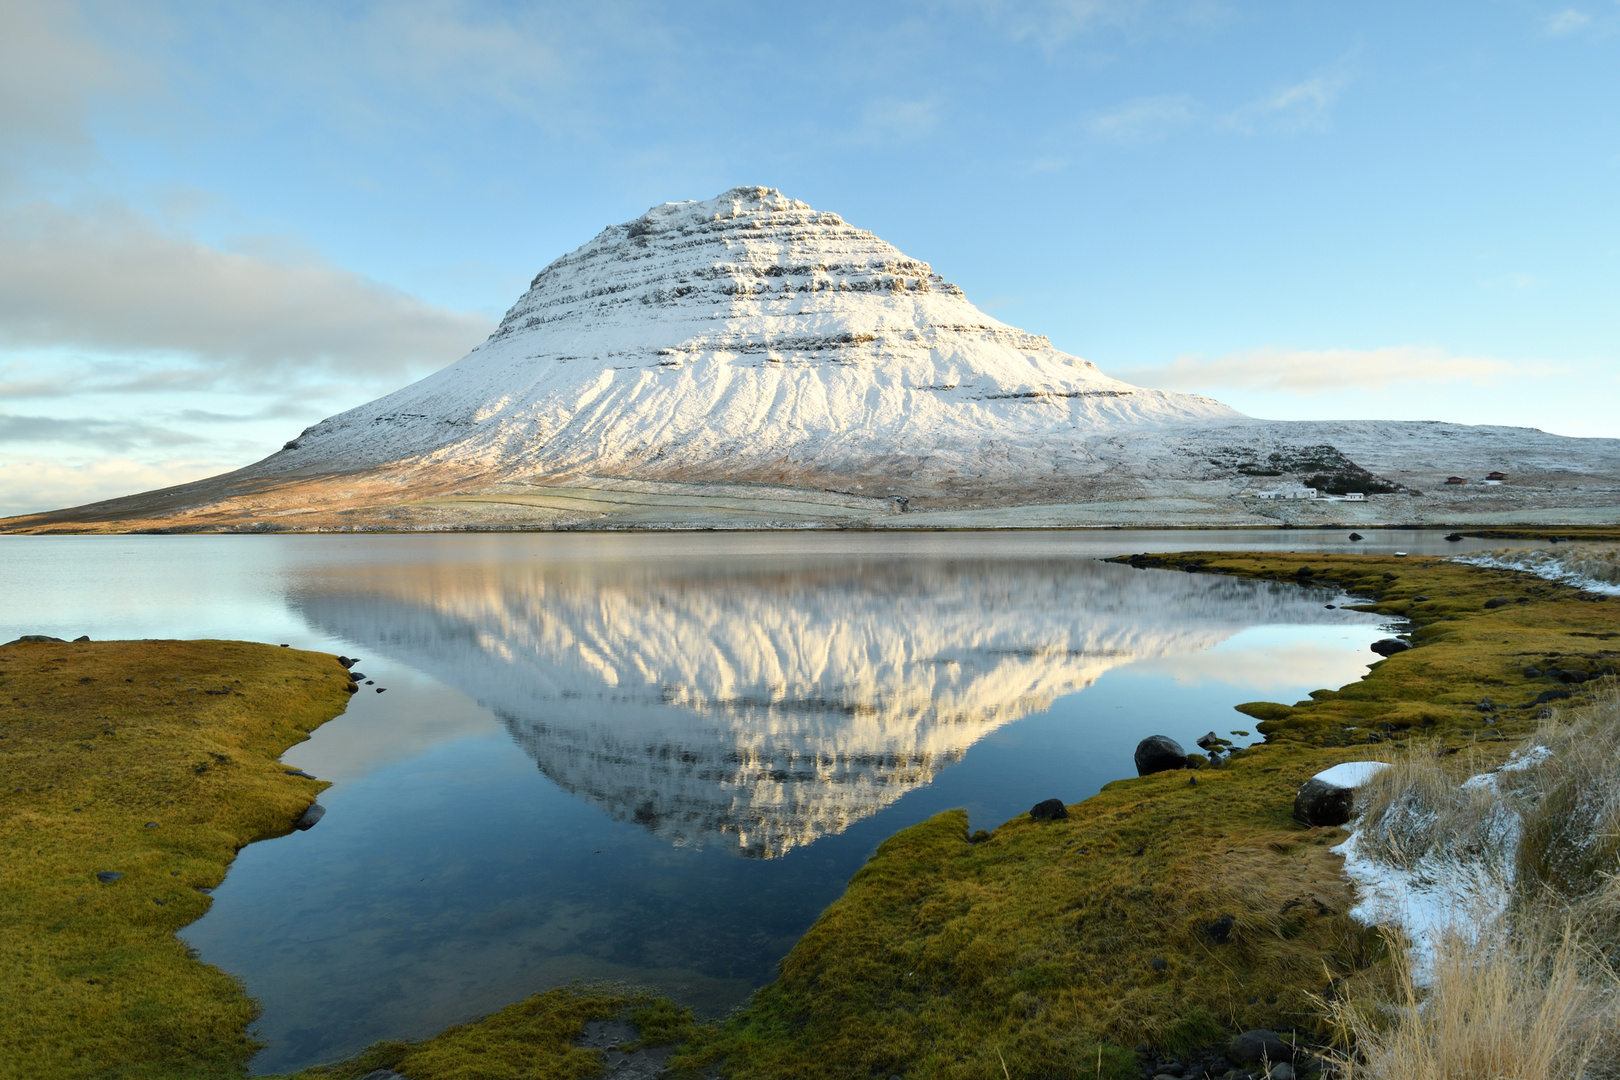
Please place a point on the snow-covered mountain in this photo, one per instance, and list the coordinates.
(745, 337)
(751, 360)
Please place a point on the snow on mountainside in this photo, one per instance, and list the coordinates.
(746, 336)
(751, 361)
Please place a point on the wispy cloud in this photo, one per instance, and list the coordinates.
(1306, 105)
(1145, 119)
(1568, 21)
(1303, 371)
(894, 119)
(1301, 106)
(116, 436)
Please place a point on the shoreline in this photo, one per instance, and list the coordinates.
(844, 987)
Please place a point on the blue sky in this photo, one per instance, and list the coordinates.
(221, 222)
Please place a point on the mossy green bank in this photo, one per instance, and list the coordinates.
(154, 761)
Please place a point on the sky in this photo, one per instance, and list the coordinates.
(221, 222)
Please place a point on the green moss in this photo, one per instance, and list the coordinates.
(101, 739)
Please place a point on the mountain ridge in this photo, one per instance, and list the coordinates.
(754, 344)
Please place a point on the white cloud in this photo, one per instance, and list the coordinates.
(1145, 119)
(114, 280)
(1568, 21)
(892, 119)
(1315, 371)
(49, 68)
(1301, 106)
(34, 484)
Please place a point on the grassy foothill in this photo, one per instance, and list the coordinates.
(1171, 910)
(149, 764)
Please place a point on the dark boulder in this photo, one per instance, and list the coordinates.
(1454, 537)
(1323, 804)
(107, 877)
(1050, 810)
(1497, 601)
(309, 817)
(1220, 931)
(36, 639)
(1357, 536)
(1390, 646)
(1329, 797)
(1159, 753)
(1258, 1045)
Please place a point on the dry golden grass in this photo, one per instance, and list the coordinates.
(1532, 995)
(1512, 1004)
(156, 760)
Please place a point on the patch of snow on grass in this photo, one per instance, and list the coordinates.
(1351, 774)
(1444, 892)
(1591, 568)
(1437, 897)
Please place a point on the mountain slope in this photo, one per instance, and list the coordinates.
(751, 360)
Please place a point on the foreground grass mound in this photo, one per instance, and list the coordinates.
(148, 763)
(532, 1040)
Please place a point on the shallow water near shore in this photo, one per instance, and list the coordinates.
(658, 758)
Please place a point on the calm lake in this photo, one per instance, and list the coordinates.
(657, 758)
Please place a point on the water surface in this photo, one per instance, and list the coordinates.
(657, 758)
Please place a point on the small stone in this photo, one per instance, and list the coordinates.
(382, 689)
(1497, 601)
(1389, 646)
(357, 676)
(1454, 537)
(1049, 810)
(1159, 963)
(1357, 536)
(1159, 753)
(1420, 599)
(1281, 1071)
(1220, 931)
(309, 817)
(151, 824)
(107, 877)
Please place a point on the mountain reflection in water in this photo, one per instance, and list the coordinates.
(761, 705)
